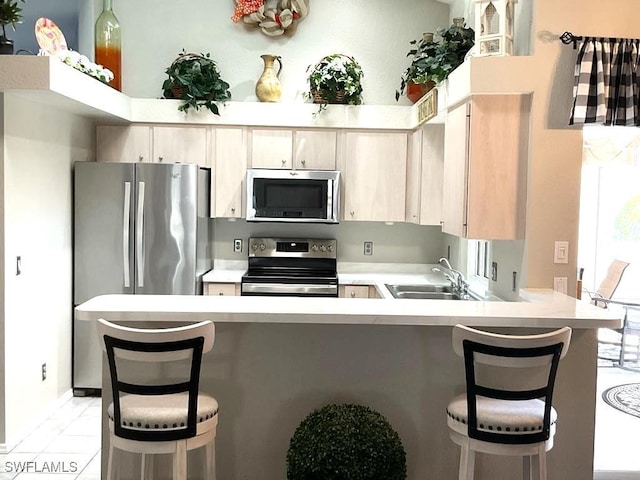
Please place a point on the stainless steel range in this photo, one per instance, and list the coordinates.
(291, 267)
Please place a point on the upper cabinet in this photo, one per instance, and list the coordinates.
(485, 162)
(230, 153)
(424, 175)
(300, 149)
(375, 175)
(142, 143)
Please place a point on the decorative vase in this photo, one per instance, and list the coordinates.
(108, 43)
(6, 46)
(268, 87)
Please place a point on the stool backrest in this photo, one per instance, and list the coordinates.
(157, 346)
(536, 358)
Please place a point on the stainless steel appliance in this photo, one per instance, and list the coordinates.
(139, 228)
(293, 195)
(291, 267)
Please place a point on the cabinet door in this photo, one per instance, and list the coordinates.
(498, 147)
(221, 289)
(355, 291)
(414, 174)
(454, 194)
(432, 162)
(123, 144)
(315, 149)
(180, 145)
(375, 176)
(271, 148)
(230, 171)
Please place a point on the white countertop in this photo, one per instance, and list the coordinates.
(540, 308)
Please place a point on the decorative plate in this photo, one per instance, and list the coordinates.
(49, 36)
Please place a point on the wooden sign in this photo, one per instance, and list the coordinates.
(427, 106)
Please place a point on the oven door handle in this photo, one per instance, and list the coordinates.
(289, 289)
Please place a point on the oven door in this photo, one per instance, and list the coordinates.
(289, 287)
(304, 196)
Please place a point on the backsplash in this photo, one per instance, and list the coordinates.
(397, 243)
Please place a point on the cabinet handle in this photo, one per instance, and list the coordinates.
(304, 162)
(233, 209)
(352, 213)
(284, 162)
(160, 159)
(353, 294)
(140, 158)
(414, 215)
(220, 293)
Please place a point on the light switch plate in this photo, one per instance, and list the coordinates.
(561, 252)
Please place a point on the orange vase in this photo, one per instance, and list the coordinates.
(108, 43)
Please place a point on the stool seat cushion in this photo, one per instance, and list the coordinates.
(166, 412)
(503, 416)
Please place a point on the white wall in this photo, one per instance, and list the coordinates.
(375, 32)
(40, 145)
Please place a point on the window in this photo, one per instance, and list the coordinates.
(479, 264)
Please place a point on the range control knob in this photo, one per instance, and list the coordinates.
(330, 248)
(314, 247)
(323, 248)
(262, 247)
(254, 247)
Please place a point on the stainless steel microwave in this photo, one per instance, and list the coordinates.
(304, 196)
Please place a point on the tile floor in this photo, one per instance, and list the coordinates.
(65, 447)
(69, 440)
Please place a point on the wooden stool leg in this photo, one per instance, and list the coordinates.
(467, 463)
(211, 459)
(110, 463)
(180, 461)
(542, 463)
(146, 467)
(526, 467)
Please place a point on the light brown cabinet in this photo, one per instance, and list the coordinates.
(288, 149)
(485, 163)
(375, 176)
(358, 291)
(144, 143)
(424, 175)
(222, 289)
(230, 159)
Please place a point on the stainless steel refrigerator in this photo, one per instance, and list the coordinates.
(139, 228)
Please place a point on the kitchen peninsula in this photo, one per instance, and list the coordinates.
(275, 360)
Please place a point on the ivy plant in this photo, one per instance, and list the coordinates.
(196, 80)
(338, 77)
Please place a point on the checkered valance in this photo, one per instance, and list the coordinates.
(606, 82)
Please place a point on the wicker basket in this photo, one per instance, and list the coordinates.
(319, 96)
(176, 90)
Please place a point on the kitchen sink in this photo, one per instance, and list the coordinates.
(425, 292)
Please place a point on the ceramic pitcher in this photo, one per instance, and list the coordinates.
(268, 88)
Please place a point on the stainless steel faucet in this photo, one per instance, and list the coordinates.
(458, 283)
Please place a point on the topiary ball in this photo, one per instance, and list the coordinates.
(345, 442)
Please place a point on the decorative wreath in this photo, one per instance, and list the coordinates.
(273, 19)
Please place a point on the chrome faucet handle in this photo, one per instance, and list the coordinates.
(445, 262)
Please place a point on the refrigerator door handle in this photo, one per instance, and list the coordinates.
(140, 236)
(125, 234)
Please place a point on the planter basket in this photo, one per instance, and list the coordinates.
(319, 96)
(176, 90)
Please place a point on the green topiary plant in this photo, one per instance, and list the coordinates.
(196, 80)
(10, 14)
(345, 442)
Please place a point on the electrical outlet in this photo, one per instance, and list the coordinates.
(368, 248)
(44, 372)
(494, 271)
(237, 245)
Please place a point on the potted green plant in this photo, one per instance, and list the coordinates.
(433, 61)
(345, 442)
(336, 79)
(423, 73)
(10, 14)
(195, 79)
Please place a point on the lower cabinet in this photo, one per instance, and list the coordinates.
(229, 289)
(358, 291)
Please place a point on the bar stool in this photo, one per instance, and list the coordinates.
(150, 418)
(507, 408)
